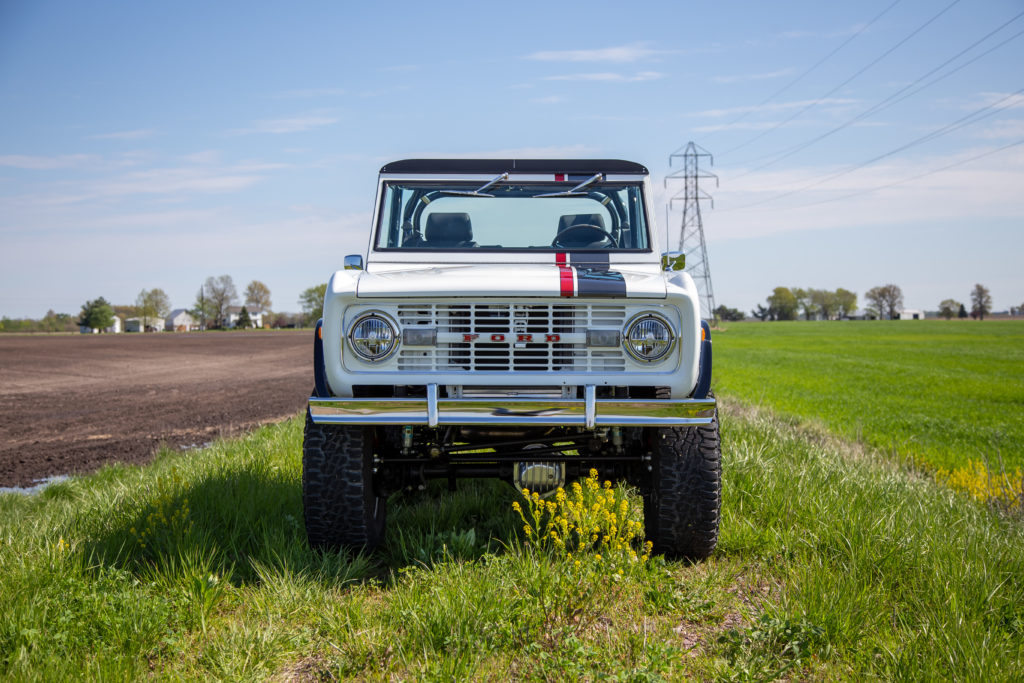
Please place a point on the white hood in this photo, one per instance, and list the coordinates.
(529, 280)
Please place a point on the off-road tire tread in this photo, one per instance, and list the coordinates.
(338, 501)
(683, 503)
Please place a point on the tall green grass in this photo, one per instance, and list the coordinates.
(832, 564)
(941, 392)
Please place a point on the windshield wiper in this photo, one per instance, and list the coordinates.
(575, 192)
(479, 192)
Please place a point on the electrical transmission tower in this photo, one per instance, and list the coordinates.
(691, 234)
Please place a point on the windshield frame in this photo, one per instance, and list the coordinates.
(463, 181)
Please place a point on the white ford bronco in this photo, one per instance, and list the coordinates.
(513, 319)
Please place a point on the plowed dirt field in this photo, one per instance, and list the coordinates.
(70, 404)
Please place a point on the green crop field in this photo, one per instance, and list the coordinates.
(948, 394)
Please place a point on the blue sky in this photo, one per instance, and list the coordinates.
(152, 145)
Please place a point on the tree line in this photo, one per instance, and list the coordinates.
(884, 302)
(787, 303)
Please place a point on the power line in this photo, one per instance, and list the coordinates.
(886, 186)
(860, 71)
(813, 67)
(973, 117)
(892, 99)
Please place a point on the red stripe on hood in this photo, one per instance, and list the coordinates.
(565, 278)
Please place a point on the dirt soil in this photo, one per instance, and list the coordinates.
(71, 404)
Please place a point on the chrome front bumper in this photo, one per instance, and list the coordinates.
(587, 413)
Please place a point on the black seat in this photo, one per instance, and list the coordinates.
(572, 219)
(573, 235)
(449, 230)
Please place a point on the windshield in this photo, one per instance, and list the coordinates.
(462, 215)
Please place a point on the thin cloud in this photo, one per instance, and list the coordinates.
(140, 134)
(295, 124)
(550, 99)
(608, 77)
(789, 35)
(620, 54)
(45, 163)
(777, 106)
(752, 77)
(999, 130)
(311, 92)
(552, 152)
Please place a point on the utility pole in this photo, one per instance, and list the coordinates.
(691, 234)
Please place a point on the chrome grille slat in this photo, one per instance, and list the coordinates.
(486, 355)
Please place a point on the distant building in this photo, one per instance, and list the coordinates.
(256, 317)
(115, 328)
(180, 320)
(862, 314)
(910, 314)
(152, 325)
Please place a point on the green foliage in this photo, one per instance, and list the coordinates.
(312, 302)
(244, 321)
(257, 295)
(948, 308)
(51, 322)
(981, 302)
(96, 314)
(723, 312)
(783, 304)
(152, 305)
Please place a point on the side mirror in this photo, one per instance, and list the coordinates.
(673, 260)
(354, 262)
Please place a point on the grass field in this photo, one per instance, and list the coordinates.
(948, 394)
(833, 563)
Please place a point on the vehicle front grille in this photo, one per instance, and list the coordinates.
(555, 337)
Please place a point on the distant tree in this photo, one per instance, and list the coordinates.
(782, 304)
(886, 301)
(244, 321)
(846, 303)
(826, 302)
(805, 301)
(257, 295)
(96, 314)
(312, 302)
(962, 313)
(125, 311)
(218, 296)
(725, 313)
(948, 308)
(981, 301)
(152, 305)
(761, 313)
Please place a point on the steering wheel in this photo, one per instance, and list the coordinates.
(590, 236)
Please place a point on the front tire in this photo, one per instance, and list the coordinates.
(338, 499)
(683, 502)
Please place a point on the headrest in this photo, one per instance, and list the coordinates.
(580, 219)
(448, 229)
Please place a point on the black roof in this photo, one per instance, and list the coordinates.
(514, 165)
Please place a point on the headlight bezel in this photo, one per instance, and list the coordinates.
(389, 323)
(640, 318)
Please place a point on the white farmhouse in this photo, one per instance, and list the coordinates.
(910, 314)
(180, 320)
(235, 311)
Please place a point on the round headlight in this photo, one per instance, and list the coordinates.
(649, 338)
(373, 337)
